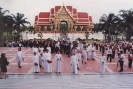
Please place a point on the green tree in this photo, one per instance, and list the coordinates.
(31, 29)
(108, 21)
(127, 22)
(19, 20)
(5, 22)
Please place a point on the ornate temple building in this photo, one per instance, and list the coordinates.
(63, 18)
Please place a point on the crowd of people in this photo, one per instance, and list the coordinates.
(79, 52)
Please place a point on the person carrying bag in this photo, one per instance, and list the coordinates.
(4, 63)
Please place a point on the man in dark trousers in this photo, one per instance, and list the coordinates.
(109, 51)
(121, 60)
(68, 47)
(103, 48)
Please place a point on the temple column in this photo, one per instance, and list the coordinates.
(71, 27)
(90, 29)
(58, 27)
(87, 29)
(81, 27)
(75, 28)
(39, 28)
(51, 28)
(45, 28)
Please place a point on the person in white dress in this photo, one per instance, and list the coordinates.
(58, 58)
(84, 56)
(49, 49)
(102, 63)
(41, 48)
(19, 57)
(78, 54)
(88, 51)
(35, 58)
(45, 63)
(93, 55)
(35, 49)
(49, 61)
(74, 63)
(40, 58)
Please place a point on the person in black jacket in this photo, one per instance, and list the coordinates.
(4, 63)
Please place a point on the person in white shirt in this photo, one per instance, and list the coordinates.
(121, 60)
(84, 56)
(74, 63)
(41, 48)
(19, 57)
(45, 63)
(88, 51)
(40, 58)
(109, 54)
(49, 49)
(58, 58)
(78, 54)
(102, 63)
(35, 49)
(57, 47)
(49, 61)
(35, 58)
(93, 55)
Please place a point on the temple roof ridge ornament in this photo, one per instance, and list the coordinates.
(63, 4)
(69, 13)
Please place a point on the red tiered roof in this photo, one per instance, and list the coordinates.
(36, 18)
(90, 18)
(69, 8)
(52, 11)
(74, 11)
(44, 14)
(46, 17)
(57, 8)
(82, 15)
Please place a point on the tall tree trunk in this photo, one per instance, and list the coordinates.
(108, 35)
(128, 37)
(0, 38)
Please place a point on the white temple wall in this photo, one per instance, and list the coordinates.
(57, 35)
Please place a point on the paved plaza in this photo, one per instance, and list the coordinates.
(91, 67)
(88, 76)
(68, 81)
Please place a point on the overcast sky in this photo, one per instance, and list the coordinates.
(95, 8)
